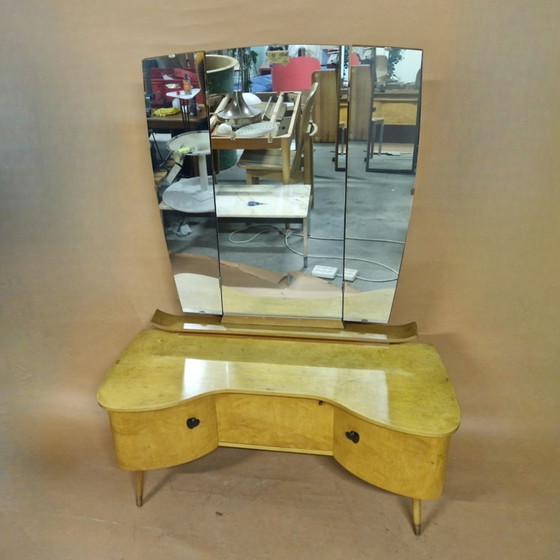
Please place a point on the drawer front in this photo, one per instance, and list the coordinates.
(287, 423)
(409, 465)
(164, 438)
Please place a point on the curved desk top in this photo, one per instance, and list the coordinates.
(402, 387)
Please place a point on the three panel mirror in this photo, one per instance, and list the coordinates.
(285, 176)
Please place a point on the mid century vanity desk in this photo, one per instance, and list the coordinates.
(291, 373)
(382, 406)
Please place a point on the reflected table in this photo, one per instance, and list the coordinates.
(195, 194)
(284, 203)
(256, 203)
(184, 100)
(284, 111)
(173, 123)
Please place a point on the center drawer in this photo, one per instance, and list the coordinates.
(273, 422)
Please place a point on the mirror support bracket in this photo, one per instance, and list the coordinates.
(285, 327)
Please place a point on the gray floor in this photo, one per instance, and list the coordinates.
(378, 209)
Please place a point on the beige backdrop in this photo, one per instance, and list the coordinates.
(83, 260)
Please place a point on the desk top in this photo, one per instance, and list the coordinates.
(403, 387)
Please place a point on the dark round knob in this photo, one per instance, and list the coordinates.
(192, 423)
(353, 436)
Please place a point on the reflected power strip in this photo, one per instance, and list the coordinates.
(326, 272)
(350, 274)
(329, 273)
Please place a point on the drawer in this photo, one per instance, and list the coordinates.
(285, 423)
(164, 438)
(406, 464)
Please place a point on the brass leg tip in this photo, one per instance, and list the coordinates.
(139, 501)
(417, 529)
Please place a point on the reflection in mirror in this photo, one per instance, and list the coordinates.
(261, 157)
(280, 207)
(383, 132)
(177, 109)
(395, 123)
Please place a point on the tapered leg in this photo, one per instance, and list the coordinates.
(286, 164)
(139, 487)
(417, 515)
(305, 242)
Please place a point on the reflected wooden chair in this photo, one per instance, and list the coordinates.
(267, 164)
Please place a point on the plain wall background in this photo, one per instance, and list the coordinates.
(83, 259)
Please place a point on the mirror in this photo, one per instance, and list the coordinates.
(262, 160)
(177, 110)
(277, 242)
(393, 137)
(383, 123)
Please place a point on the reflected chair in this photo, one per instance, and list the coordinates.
(377, 124)
(296, 75)
(268, 163)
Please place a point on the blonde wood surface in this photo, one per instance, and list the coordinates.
(402, 387)
(139, 487)
(283, 449)
(157, 439)
(417, 515)
(405, 464)
(385, 412)
(275, 422)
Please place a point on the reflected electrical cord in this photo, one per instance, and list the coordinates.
(287, 234)
(356, 239)
(161, 160)
(346, 259)
(268, 228)
(357, 259)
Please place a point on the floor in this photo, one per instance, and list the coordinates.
(64, 498)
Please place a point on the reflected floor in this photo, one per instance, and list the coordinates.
(378, 203)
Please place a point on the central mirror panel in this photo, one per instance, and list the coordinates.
(280, 214)
(262, 161)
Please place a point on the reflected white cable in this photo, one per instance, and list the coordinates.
(346, 259)
(268, 229)
(271, 228)
(357, 239)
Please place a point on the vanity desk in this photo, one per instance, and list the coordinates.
(381, 405)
